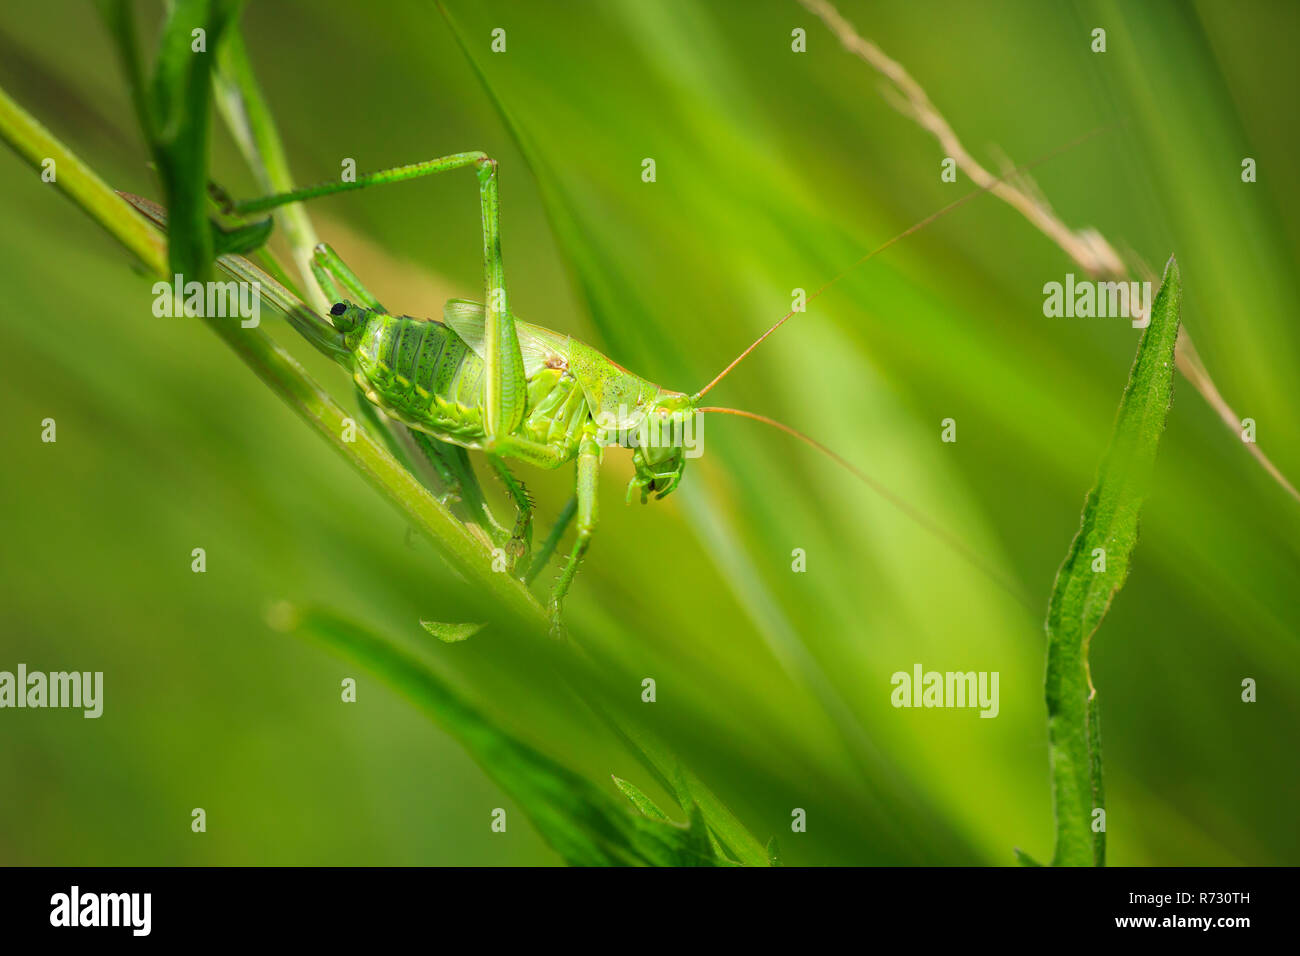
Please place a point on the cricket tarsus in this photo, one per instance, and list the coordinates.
(480, 379)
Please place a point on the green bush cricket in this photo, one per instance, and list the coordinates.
(480, 379)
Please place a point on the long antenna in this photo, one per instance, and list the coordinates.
(901, 504)
(902, 235)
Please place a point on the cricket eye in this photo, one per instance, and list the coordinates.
(338, 308)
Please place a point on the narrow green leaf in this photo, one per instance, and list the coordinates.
(452, 633)
(774, 852)
(1094, 570)
(732, 837)
(639, 799)
(1024, 859)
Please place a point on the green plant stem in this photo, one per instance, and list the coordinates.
(276, 367)
(244, 108)
(79, 183)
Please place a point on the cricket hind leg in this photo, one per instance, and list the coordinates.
(505, 386)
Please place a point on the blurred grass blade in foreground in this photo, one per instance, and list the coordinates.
(584, 824)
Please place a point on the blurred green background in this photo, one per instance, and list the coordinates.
(775, 170)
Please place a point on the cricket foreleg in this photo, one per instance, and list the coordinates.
(586, 492)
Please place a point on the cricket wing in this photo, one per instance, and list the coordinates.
(541, 348)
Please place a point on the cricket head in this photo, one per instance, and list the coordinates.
(669, 432)
(659, 426)
(350, 321)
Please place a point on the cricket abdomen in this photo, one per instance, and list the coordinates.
(421, 373)
(424, 375)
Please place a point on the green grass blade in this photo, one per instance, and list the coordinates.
(584, 824)
(639, 800)
(705, 847)
(452, 633)
(689, 790)
(1093, 571)
(774, 852)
